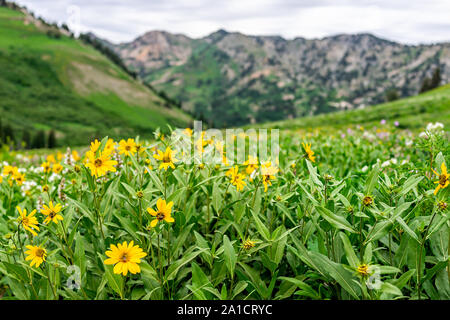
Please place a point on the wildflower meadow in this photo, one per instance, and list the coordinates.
(349, 214)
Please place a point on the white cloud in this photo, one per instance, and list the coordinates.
(413, 21)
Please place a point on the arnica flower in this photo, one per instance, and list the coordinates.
(167, 158)
(127, 147)
(51, 158)
(309, 153)
(10, 171)
(252, 164)
(100, 165)
(442, 205)
(236, 178)
(202, 142)
(52, 212)
(109, 146)
(443, 178)
(19, 178)
(94, 146)
(188, 132)
(28, 222)
(57, 168)
(140, 148)
(363, 270)
(36, 254)
(163, 213)
(367, 201)
(76, 157)
(46, 166)
(248, 244)
(268, 173)
(126, 257)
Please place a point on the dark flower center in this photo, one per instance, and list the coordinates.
(160, 216)
(40, 252)
(124, 258)
(98, 162)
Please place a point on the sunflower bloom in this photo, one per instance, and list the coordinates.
(10, 171)
(252, 164)
(19, 178)
(188, 132)
(308, 152)
(443, 178)
(100, 165)
(52, 212)
(248, 244)
(75, 156)
(125, 257)
(51, 158)
(28, 222)
(163, 213)
(94, 146)
(127, 147)
(363, 270)
(36, 254)
(236, 178)
(57, 168)
(268, 174)
(109, 146)
(46, 166)
(167, 158)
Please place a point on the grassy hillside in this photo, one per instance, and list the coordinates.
(413, 113)
(57, 82)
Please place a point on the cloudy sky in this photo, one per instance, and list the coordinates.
(406, 21)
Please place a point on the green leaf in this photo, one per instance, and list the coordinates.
(349, 252)
(262, 229)
(230, 256)
(389, 288)
(115, 281)
(372, 179)
(335, 220)
(173, 269)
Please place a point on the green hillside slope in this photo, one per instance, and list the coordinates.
(49, 80)
(413, 113)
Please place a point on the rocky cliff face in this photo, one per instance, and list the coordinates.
(232, 78)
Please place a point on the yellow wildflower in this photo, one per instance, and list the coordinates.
(100, 165)
(309, 153)
(163, 213)
(236, 178)
(167, 158)
(52, 212)
(125, 257)
(36, 254)
(443, 178)
(28, 222)
(127, 147)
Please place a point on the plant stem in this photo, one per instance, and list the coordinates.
(419, 273)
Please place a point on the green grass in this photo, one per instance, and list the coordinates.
(412, 113)
(38, 89)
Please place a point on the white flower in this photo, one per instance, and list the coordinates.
(423, 135)
(365, 168)
(386, 164)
